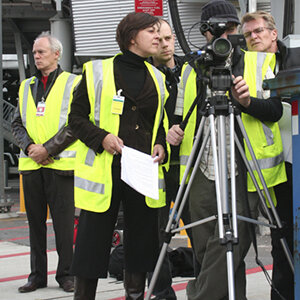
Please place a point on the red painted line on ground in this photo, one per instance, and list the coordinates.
(22, 238)
(21, 227)
(14, 255)
(179, 286)
(176, 287)
(21, 277)
(11, 228)
(15, 239)
(258, 269)
(21, 254)
(182, 286)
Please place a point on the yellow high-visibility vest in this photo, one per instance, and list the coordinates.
(42, 128)
(93, 172)
(264, 137)
(189, 87)
(270, 156)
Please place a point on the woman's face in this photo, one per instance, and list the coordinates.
(146, 42)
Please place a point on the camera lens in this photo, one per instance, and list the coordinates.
(221, 47)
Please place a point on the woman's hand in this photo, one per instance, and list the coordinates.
(159, 153)
(112, 144)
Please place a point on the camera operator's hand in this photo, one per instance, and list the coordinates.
(240, 91)
(175, 135)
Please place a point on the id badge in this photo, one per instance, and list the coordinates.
(117, 103)
(40, 110)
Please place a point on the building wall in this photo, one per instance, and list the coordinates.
(95, 23)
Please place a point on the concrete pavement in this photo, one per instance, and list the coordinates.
(15, 264)
(14, 261)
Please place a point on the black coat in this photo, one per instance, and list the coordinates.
(137, 119)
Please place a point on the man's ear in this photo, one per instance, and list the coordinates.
(274, 34)
(132, 41)
(57, 54)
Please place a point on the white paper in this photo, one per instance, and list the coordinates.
(140, 172)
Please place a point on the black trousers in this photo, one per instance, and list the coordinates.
(94, 235)
(44, 187)
(163, 286)
(282, 275)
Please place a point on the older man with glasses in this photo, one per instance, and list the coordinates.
(261, 35)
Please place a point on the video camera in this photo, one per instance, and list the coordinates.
(214, 60)
(212, 65)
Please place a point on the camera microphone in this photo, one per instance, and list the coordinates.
(193, 55)
(196, 53)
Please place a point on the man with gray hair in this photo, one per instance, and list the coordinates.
(261, 35)
(47, 160)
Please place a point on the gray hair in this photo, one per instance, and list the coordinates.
(55, 44)
(267, 17)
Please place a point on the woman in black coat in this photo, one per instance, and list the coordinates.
(138, 38)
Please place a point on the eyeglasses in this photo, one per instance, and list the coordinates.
(257, 31)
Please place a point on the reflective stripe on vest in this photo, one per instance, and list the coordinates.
(88, 185)
(98, 83)
(64, 104)
(264, 136)
(161, 84)
(184, 159)
(261, 58)
(25, 97)
(188, 81)
(93, 181)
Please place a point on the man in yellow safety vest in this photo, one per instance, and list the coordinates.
(46, 160)
(210, 253)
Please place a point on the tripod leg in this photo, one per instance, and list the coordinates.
(181, 200)
(210, 253)
(215, 247)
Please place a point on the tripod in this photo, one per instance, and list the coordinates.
(216, 111)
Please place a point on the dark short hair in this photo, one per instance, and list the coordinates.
(130, 25)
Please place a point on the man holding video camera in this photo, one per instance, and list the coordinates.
(211, 282)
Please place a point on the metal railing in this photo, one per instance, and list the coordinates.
(8, 112)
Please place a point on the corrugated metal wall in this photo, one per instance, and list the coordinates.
(95, 23)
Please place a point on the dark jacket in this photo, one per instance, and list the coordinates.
(288, 57)
(137, 119)
(172, 80)
(61, 140)
(270, 110)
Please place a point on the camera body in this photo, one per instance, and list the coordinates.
(214, 61)
(216, 26)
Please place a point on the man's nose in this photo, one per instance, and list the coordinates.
(253, 35)
(164, 43)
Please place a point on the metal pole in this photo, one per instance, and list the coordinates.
(296, 205)
(61, 29)
(252, 5)
(2, 190)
